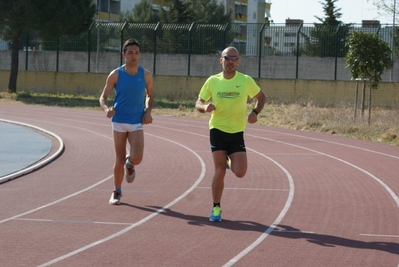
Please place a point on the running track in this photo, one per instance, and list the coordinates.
(308, 199)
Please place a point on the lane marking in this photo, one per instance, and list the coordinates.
(56, 201)
(278, 219)
(72, 221)
(39, 164)
(250, 189)
(328, 155)
(145, 219)
(384, 185)
(377, 235)
(299, 136)
(293, 231)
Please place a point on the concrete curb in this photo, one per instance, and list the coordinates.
(39, 164)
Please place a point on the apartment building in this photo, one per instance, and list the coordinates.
(108, 10)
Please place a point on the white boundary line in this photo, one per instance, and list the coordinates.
(134, 225)
(39, 164)
(276, 222)
(384, 185)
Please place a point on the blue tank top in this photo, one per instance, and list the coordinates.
(130, 92)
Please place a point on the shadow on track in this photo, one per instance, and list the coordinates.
(281, 231)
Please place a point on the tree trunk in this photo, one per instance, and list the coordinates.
(370, 90)
(12, 82)
(363, 97)
(356, 97)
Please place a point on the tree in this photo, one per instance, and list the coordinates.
(327, 38)
(385, 7)
(388, 8)
(142, 12)
(55, 18)
(367, 58)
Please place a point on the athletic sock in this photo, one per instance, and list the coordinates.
(216, 204)
(128, 164)
(119, 190)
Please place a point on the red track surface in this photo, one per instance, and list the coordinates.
(308, 199)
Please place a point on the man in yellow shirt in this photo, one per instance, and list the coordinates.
(225, 95)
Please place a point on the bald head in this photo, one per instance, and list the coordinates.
(229, 49)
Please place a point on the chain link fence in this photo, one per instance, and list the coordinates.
(301, 51)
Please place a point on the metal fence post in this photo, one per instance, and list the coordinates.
(121, 45)
(225, 33)
(89, 47)
(58, 55)
(26, 53)
(189, 47)
(155, 46)
(297, 52)
(336, 52)
(261, 40)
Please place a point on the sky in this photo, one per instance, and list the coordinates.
(353, 11)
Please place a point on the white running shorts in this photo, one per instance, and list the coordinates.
(126, 127)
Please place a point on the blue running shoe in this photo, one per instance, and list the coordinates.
(216, 214)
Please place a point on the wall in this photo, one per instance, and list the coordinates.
(279, 67)
(320, 92)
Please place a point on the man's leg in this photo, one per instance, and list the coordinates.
(136, 141)
(219, 159)
(239, 163)
(120, 157)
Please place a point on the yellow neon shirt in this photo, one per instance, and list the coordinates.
(229, 96)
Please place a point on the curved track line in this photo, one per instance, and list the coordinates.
(278, 219)
(134, 225)
(40, 163)
(57, 201)
(335, 143)
(306, 137)
(384, 185)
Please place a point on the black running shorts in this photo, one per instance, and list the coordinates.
(228, 142)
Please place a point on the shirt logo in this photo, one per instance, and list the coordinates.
(228, 94)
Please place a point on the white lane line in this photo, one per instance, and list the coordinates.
(57, 201)
(377, 235)
(293, 231)
(39, 164)
(72, 221)
(249, 189)
(149, 217)
(331, 142)
(384, 185)
(295, 135)
(278, 219)
(289, 200)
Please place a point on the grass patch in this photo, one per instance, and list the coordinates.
(383, 127)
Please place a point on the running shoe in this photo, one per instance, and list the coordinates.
(216, 214)
(115, 198)
(130, 173)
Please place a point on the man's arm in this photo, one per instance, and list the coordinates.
(203, 107)
(109, 86)
(260, 100)
(149, 103)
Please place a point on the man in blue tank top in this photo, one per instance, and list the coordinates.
(131, 109)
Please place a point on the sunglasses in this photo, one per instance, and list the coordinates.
(233, 58)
